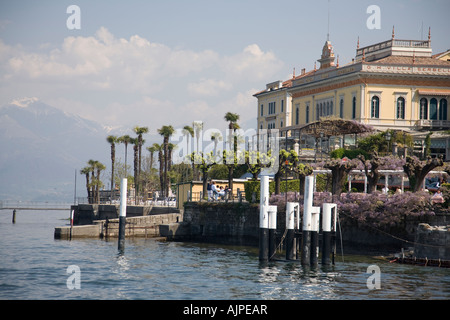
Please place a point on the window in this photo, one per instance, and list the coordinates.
(433, 109)
(307, 113)
(297, 114)
(262, 110)
(272, 107)
(282, 105)
(354, 108)
(341, 108)
(331, 109)
(423, 109)
(317, 112)
(375, 107)
(401, 108)
(443, 109)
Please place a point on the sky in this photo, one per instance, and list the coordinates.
(154, 63)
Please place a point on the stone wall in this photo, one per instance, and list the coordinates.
(85, 214)
(432, 242)
(144, 226)
(238, 223)
(234, 223)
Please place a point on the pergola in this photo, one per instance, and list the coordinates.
(333, 127)
(326, 128)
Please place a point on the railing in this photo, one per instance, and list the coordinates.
(433, 123)
(394, 43)
(236, 197)
(33, 205)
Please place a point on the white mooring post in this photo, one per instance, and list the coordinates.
(264, 219)
(272, 214)
(290, 226)
(123, 213)
(308, 223)
(328, 227)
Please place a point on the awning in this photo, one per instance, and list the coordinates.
(434, 92)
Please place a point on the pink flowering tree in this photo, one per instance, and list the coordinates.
(372, 166)
(417, 170)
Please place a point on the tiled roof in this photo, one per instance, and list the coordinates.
(419, 61)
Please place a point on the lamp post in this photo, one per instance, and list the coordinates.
(387, 136)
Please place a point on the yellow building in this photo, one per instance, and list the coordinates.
(395, 84)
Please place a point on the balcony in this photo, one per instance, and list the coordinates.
(433, 124)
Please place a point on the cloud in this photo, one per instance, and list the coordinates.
(118, 80)
(208, 87)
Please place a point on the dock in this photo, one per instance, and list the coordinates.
(102, 221)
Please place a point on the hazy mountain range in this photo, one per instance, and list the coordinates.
(42, 146)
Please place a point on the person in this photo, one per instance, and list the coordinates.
(437, 197)
(398, 191)
(214, 190)
(221, 193)
(208, 188)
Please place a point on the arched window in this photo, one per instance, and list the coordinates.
(401, 108)
(443, 109)
(341, 108)
(423, 109)
(433, 109)
(354, 108)
(375, 109)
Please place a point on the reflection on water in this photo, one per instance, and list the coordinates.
(33, 266)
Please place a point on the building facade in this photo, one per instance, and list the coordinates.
(395, 84)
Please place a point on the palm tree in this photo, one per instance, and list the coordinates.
(216, 137)
(160, 149)
(125, 140)
(188, 131)
(112, 140)
(232, 119)
(151, 149)
(99, 167)
(135, 142)
(86, 171)
(140, 131)
(171, 147)
(166, 132)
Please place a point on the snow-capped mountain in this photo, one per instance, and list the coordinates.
(42, 146)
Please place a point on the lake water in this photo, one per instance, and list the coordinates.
(35, 266)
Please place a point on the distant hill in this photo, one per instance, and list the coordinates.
(42, 146)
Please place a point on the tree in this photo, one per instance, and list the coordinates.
(152, 150)
(112, 140)
(188, 131)
(94, 167)
(98, 167)
(86, 171)
(135, 143)
(203, 163)
(125, 140)
(232, 119)
(160, 149)
(140, 131)
(372, 166)
(339, 171)
(417, 170)
(166, 132)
